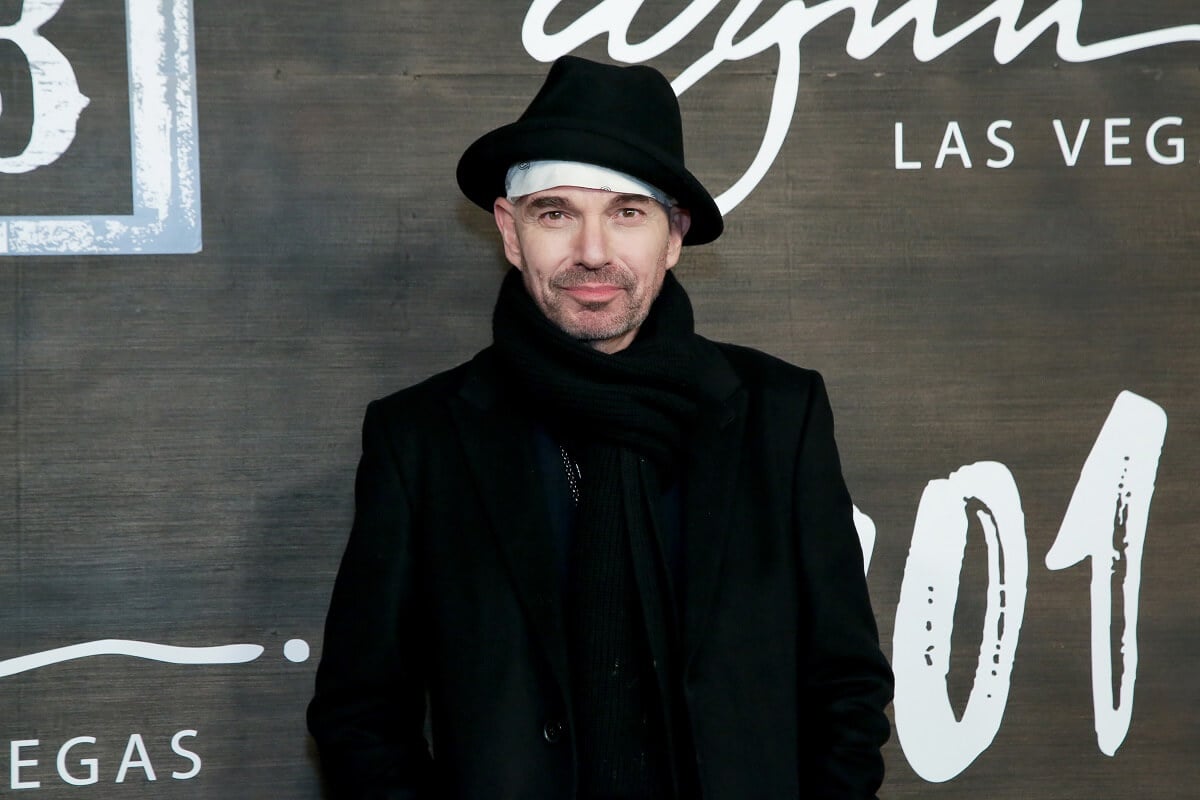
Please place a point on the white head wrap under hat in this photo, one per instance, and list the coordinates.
(528, 177)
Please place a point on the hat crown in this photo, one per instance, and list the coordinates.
(635, 102)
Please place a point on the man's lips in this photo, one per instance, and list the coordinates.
(593, 292)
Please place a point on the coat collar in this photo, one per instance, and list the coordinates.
(498, 440)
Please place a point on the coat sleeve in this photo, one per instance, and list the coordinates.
(846, 682)
(367, 715)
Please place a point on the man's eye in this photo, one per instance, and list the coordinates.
(552, 216)
(629, 213)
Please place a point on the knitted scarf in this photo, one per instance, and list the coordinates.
(624, 418)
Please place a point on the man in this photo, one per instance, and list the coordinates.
(615, 558)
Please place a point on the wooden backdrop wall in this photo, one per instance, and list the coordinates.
(178, 432)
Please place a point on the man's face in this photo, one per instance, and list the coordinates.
(592, 260)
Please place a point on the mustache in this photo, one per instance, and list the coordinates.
(578, 276)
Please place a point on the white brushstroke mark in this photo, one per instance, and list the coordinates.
(222, 654)
(865, 527)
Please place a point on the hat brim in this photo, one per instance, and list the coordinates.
(482, 168)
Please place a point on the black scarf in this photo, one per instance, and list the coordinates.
(625, 418)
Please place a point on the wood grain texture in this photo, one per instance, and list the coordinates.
(178, 433)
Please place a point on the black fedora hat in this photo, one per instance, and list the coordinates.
(622, 118)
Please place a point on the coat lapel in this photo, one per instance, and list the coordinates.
(499, 447)
(712, 476)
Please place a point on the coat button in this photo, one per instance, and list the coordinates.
(553, 731)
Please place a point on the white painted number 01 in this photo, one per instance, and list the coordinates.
(1105, 522)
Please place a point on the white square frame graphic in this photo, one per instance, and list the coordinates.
(164, 151)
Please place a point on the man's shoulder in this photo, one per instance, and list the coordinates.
(433, 393)
(760, 371)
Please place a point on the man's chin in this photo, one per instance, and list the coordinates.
(592, 331)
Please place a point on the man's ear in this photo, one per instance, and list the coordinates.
(506, 220)
(680, 219)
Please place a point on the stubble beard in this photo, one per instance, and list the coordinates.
(594, 323)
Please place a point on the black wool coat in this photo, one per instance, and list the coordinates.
(448, 593)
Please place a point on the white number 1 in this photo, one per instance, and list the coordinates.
(1106, 522)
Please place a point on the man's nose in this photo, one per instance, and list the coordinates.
(592, 243)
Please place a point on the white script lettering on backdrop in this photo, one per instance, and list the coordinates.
(788, 26)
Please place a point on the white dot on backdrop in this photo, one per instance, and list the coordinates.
(295, 650)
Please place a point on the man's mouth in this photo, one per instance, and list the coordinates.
(593, 292)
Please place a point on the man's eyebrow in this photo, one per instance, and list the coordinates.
(548, 201)
(559, 203)
(632, 199)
